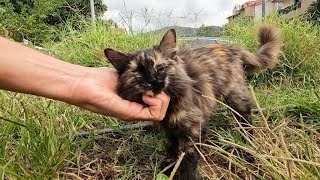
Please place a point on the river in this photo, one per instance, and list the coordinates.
(199, 41)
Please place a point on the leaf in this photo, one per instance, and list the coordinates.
(161, 176)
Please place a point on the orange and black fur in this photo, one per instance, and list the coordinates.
(187, 75)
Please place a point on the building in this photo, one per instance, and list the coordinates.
(292, 8)
(285, 8)
(270, 8)
(245, 10)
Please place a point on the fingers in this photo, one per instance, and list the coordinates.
(154, 108)
(158, 106)
(165, 103)
(101, 97)
(131, 111)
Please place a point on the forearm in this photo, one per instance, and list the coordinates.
(25, 70)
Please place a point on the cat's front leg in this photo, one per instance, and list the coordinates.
(188, 169)
(180, 140)
(189, 165)
(172, 150)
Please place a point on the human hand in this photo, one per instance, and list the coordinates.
(96, 91)
(32, 72)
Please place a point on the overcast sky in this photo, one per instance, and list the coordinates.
(161, 13)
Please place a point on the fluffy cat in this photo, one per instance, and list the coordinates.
(187, 75)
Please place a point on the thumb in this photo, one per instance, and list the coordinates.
(158, 105)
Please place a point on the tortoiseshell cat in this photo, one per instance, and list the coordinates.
(186, 75)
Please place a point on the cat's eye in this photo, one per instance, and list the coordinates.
(161, 67)
(173, 55)
(141, 68)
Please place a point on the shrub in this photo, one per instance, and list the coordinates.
(313, 12)
(40, 21)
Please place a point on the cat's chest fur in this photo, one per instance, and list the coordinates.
(204, 79)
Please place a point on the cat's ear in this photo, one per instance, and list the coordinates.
(118, 59)
(168, 41)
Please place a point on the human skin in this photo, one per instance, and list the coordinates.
(25, 70)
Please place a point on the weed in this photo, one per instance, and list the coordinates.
(38, 140)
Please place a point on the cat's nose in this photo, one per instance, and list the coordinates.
(159, 81)
(151, 80)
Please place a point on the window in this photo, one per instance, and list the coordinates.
(278, 5)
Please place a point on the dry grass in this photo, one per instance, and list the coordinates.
(38, 141)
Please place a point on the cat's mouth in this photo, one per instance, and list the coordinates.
(157, 87)
(152, 89)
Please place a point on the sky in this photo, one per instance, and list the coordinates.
(154, 14)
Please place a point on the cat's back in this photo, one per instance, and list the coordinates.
(210, 55)
(212, 67)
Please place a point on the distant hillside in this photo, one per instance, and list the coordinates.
(189, 31)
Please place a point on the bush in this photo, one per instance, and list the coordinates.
(40, 21)
(313, 12)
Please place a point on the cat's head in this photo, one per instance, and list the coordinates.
(147, 70)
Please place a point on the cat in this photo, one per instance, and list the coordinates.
(187, 76)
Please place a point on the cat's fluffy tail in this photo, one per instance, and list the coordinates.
(269, 43)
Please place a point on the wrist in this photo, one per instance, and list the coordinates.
(93, 86)
(72, 85)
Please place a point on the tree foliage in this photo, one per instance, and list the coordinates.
(40, 20)
(75, 10)
(208, 31)
(313, 13)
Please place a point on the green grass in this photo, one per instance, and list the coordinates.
(38, 139)
(301, 53)
(286, 131)
(85, 46)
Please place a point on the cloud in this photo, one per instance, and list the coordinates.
(154, 14)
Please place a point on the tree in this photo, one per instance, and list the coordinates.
(208, 31)
(75, 11)
(313, 12)
(40, 20)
